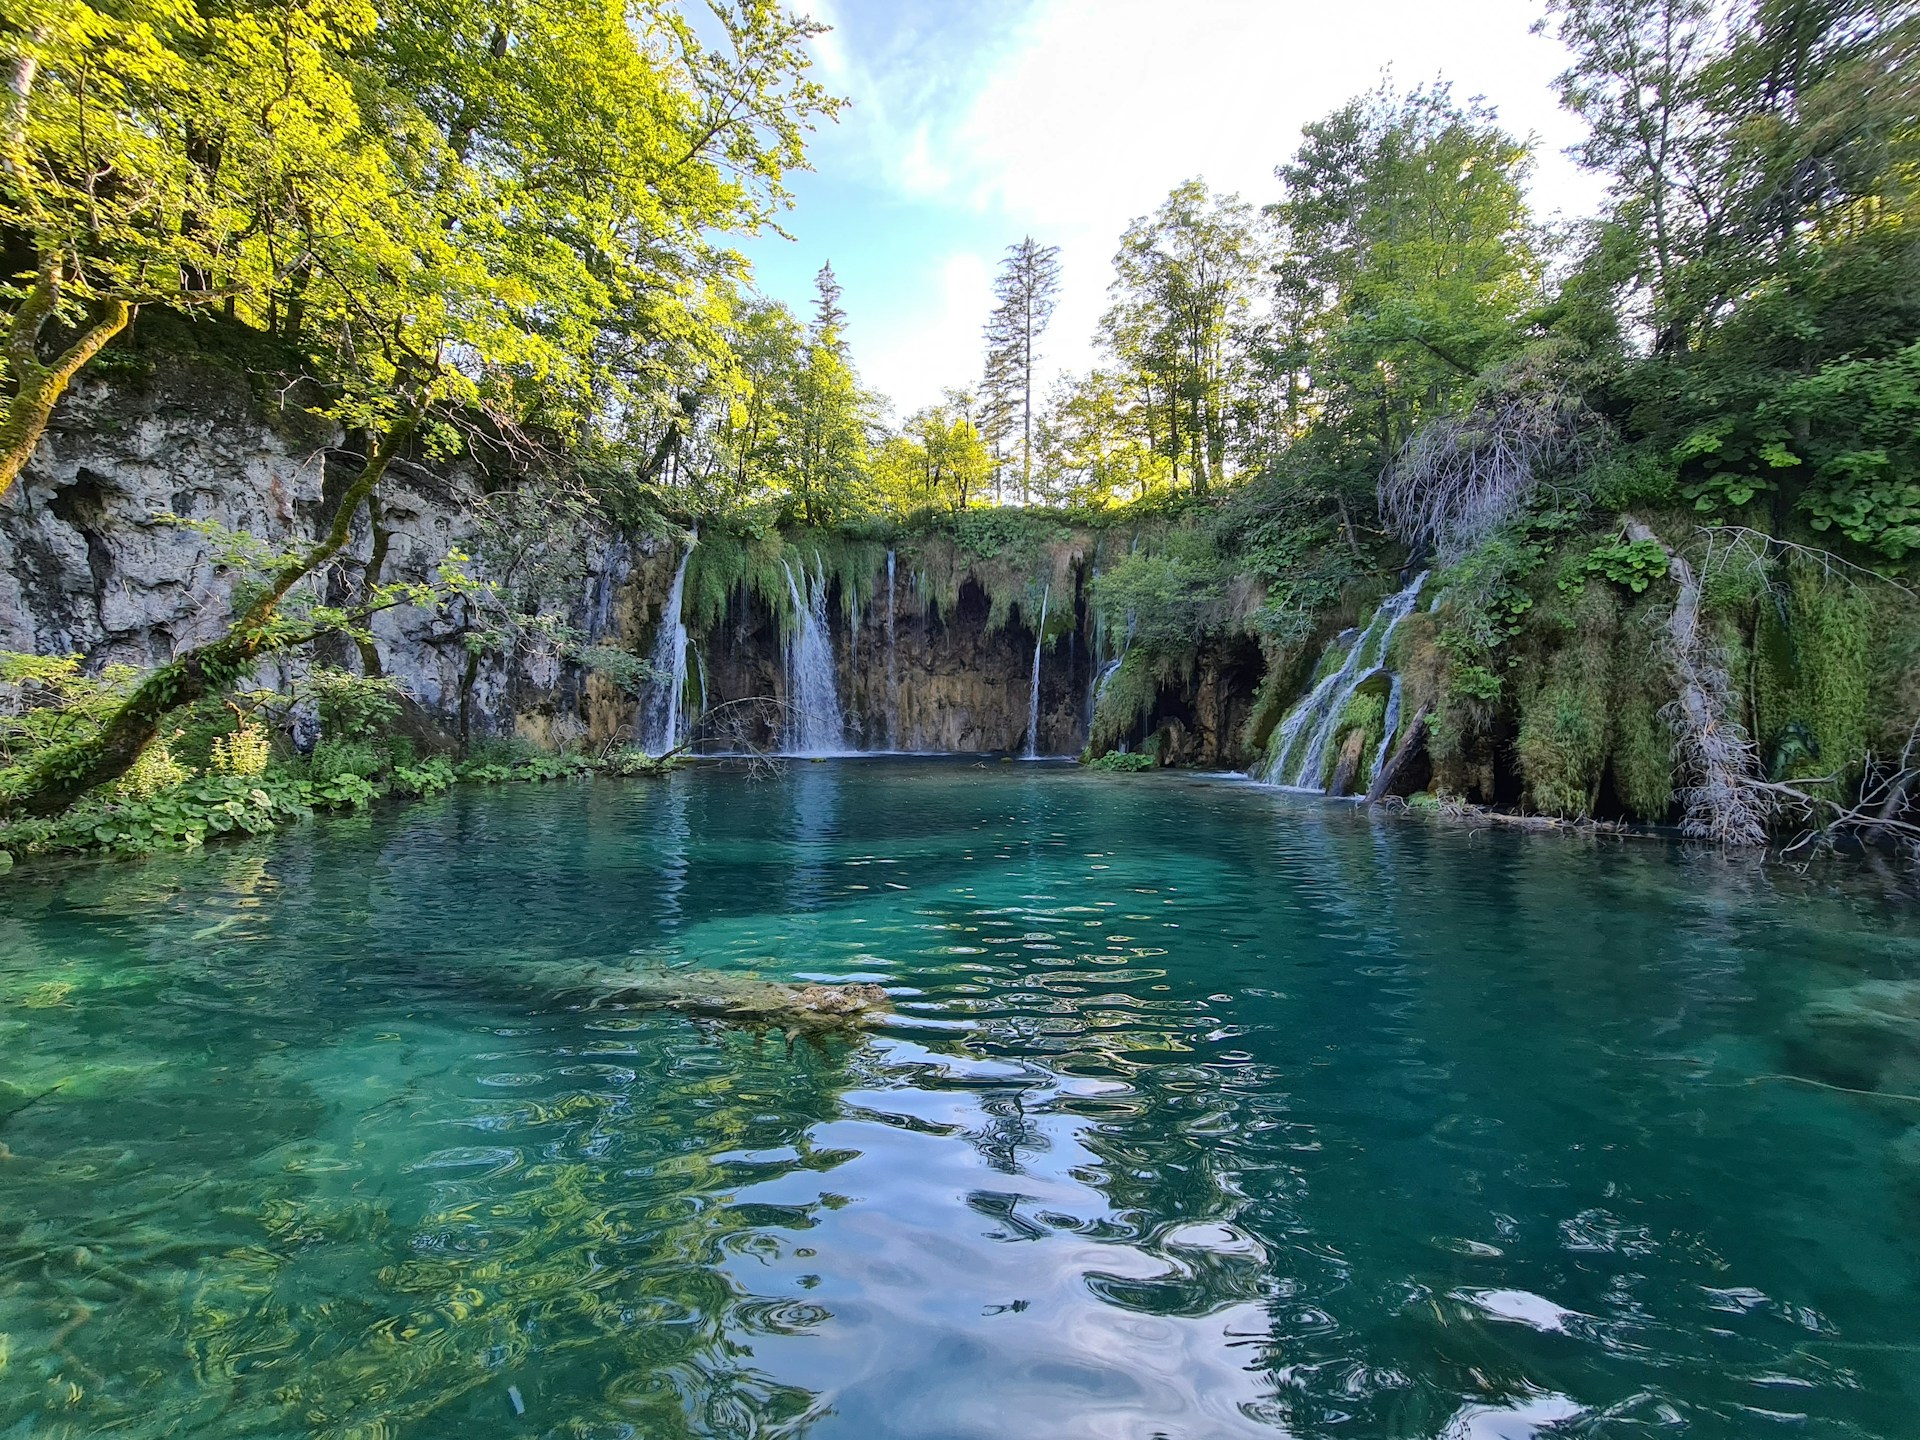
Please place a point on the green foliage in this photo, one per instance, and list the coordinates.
(1366, 712)
(427, 777)
(1626, 479)
(510, 762)
(1126, 700)
(1635, 564)
(46, 701)
(1813, 668)
(333, 759)
(354, 707)
(1116, 762)
(1862, 421)
(1566, 718)
(245, 750)
(154, 771)
(1484, 602)
(186, 814)
(1168, 599)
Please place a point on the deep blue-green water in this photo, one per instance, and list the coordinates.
(1205, 1111)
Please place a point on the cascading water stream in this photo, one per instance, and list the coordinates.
(1033, 699)
(1298, 751)
(657, 726)
(893, 668)
(815, 725)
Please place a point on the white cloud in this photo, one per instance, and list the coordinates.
(1085, 113)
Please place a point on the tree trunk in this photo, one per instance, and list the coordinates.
(1414, 736)
(64, 773)
(38, 386)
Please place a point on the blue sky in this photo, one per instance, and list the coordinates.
(974, 122)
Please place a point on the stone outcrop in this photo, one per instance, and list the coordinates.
(90, 564)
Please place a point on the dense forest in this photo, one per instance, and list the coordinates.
(1653, 477)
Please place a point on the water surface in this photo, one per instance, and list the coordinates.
(1205, 1111)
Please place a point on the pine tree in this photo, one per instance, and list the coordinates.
(829, 319)
(1027, 290)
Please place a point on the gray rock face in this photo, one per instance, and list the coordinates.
(88, 567)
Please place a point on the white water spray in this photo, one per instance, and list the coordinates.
(815, 725)
(893, 668)
(657, 725)
(1033, 699)
(1298, 752)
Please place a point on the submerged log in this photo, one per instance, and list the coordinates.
(749, 1001)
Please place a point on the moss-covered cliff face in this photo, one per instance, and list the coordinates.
(1538, 667)
(932, 631)
(939, 660)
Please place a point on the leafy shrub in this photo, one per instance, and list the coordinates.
(1122, 763)
(334, 758)
(343, 791)
(184, 815)
(45, 700)
(154, 771)
(1124, 701)
(630, 761)
(428, 777)
(1635, 564)
(243, 751)
(1864, 447)
(354, 707)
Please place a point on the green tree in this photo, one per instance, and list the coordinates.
(1027, 291)
(149, 153)
(502, 268)
(938, 460)
(1096, 445)
(1760, 233)
(832, 417)
(1407, 263)
(1183, 281)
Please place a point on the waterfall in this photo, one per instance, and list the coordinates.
(1096, 655)
(1033, 699)
(893, 668)
(814, 722)
(1297, 754)
(656, 728)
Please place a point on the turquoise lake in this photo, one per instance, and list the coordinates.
(1204, 1110)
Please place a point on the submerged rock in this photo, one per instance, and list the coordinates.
(746, 1000)
(1865, 1036)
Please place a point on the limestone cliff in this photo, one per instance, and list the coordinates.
(90, 564)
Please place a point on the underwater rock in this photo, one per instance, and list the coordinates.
(745, 1000)
(1904, 1158)
(1864, 1036)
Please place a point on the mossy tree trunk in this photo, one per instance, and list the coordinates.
(64, 773)
(36, 385)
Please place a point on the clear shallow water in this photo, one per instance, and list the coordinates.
(1206, 1112)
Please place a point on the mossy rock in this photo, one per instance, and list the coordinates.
(1865, 1036)
(750, 1002)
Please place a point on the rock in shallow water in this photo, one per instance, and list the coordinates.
(1865, 1036)
(744, 1000)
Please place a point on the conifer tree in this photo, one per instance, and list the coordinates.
(1027, 289)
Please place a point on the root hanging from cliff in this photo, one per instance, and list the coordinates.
(1726, 798)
